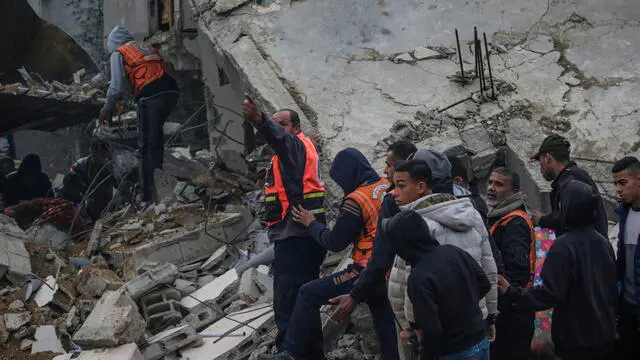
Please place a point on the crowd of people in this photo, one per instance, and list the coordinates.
(446, 274)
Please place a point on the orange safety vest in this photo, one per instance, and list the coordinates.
(142, 63)
(532, 248)
(369, 198)
(309, 194)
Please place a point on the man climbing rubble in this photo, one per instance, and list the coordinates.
(357, 223)
(578, 281)
(372, 277)
(626, 177)
(557, 167)
(292, 180)
(445, 285)
(422, 186)
(156, 94)
(512, 231)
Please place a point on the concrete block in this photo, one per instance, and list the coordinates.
(14, 322)
(248, 289)
(162, 274)
(213, 291)
(171, 340)
(46, 340)
(201, 317)
(123, 352)
(259, 317)
(161, 309)
(215, 258)
(114, 321)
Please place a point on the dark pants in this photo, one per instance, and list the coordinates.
(153, 111)
(297, 261)
(305, 329)
(514, 331)
(602, 352)
(628, 330)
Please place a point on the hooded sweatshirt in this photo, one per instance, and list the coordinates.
(440, 170)
(118, 37)
(445, 285)
(350, 170)
(579, 279)
(28, 183)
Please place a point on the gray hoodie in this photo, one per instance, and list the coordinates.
(440, 169)
(118, 37)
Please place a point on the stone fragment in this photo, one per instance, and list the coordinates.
(26, 344)
(94, 280)
(14, 322)
(248, 290)
(17, 304)
(213, 291)
(424, 53)
(114, 321)
(46, 340)
(4, 333)
(403, 58)
(186, 287)
(215, 258)
(123, 352)
(161, 274)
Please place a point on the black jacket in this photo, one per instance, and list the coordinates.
(445, 286)
(514, 243)
(579, 278)
(573, 172)
(28, 183)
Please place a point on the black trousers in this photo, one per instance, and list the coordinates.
(514, 331)
(628, 323)
(153, 111)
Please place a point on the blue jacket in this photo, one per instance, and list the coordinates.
(349, 170)
(623, 211)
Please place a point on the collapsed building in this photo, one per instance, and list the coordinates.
(189, 277)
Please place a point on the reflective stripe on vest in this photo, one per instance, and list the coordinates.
(369, 199)
(277, 200)
(142, 64)
(532, 248)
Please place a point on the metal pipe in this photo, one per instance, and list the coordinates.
(475, 51)
(460, 57)
(486, 46)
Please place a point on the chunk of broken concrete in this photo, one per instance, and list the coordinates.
(17, 304)
(114, 321)
(186, 287)
(248, 289)
(4, 333)
(14, 322)
(215, 258)
(404, 58)
(46, 340)
(14, 258)
(424, 53)
(171, 340)
(223, 6)
(26, 344)
(234, 161)
(213, 291)
(24, 332)
(48, 234)
(123, 352)
(162, 274)
(94, 280)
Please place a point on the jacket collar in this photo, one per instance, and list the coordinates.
(564, 171)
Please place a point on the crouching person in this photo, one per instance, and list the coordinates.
(445, 285)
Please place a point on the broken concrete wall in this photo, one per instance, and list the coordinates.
(81, 19)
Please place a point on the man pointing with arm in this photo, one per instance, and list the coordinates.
(292, 180)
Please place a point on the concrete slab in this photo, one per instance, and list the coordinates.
(14, 322)
(215, 258)
(123, 352)
(171, 340)
(46, 293)
(212, 292)
(14, 257)
(257, 317)
(46, 340)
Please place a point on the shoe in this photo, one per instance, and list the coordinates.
(283, 355)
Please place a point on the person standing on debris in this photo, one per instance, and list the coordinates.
(96, 177)
(292, 180)
(445, 285)
(357, 224)
(556, 166)
(421, 186)
(461, 188)
(28, 183)
(512, 231)
(372, 277)
(156, 95)
(626, 178)
(578, 281)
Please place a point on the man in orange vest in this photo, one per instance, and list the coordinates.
(292, 180)
(156, 94)
(512, 231)
(356, 224)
